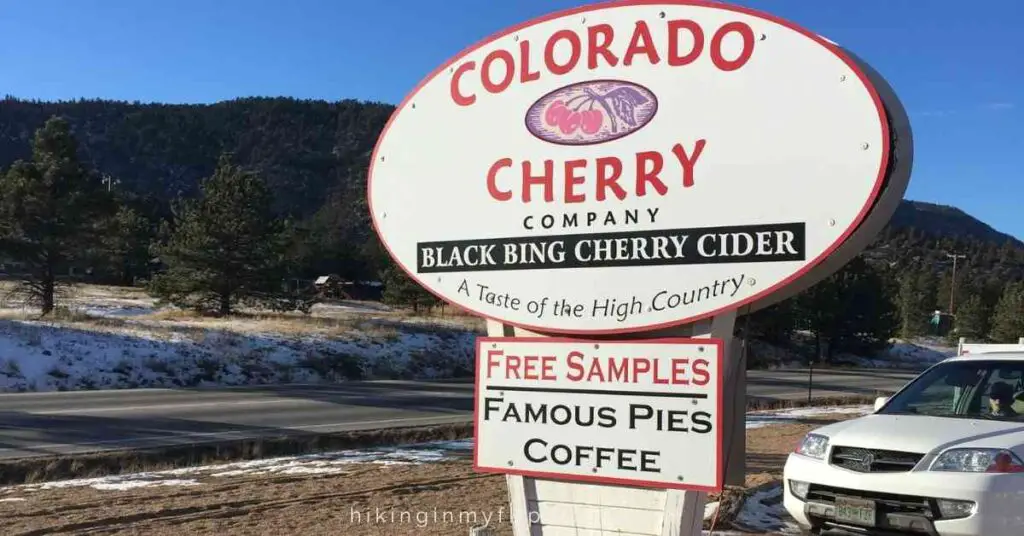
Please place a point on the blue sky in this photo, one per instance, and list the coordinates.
(958, 67)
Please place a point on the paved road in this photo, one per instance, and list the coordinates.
(34, 424)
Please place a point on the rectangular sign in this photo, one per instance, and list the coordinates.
(642, 413)
(779, 242)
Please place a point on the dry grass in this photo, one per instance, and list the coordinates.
(324, 504)
(364, 319)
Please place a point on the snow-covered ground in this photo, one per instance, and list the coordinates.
(901, 354)
(905, 354)
(323, 463)
(112, 337)
(759, 419)
(119, 338)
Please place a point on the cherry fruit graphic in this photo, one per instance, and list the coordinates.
(556, 113)
(571, 122)
(591, 121)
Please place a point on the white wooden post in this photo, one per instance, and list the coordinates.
(549, 507)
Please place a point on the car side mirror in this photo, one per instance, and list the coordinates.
(879, 402)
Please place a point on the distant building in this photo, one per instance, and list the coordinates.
(332, 286)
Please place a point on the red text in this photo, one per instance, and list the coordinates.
(596, 46)
(648, 173)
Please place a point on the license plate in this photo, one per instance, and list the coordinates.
(855, 511)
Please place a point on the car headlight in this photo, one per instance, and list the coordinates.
(978, 461)
(813, 446)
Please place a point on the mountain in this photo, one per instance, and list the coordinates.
(314, 156)
(943, 220)
(303, 148)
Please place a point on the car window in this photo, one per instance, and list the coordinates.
(989, 389)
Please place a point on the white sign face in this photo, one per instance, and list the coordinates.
(642, 413)
(628, 167)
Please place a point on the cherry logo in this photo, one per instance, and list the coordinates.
(592, 112)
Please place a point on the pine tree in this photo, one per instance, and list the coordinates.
(917, 293)
(850, 311)
(944, 290)
(402, 291)
(972, 318)
(127, 244)
(1008, 316)
(51, 209)
(225, 247)
(773, 324)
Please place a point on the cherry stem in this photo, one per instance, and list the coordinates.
(570, 101)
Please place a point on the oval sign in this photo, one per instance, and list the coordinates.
(628, 166)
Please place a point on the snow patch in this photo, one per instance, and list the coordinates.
(759, 419)
(710, 509)
(111, 483)
(309, 464)
(764, 511)
(904, 355)
(121, 347)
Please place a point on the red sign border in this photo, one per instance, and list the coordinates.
(808, 267)
(719, 410)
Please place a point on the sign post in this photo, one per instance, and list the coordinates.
(610, 186)
(543, 504)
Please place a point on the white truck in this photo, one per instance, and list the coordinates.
(944, 456)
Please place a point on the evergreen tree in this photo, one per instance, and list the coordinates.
(1008, 317)
(943, 292)
(127, 245)
(850, 311)
(51, 209)
(774, 324)
(972, 318)
(402, 291)
(918, 290)
(225, 247)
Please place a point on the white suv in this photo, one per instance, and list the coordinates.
(942, 457)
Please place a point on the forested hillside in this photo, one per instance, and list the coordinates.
(151, 161)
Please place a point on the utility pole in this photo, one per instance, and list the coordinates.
(110, 181)
(952, 283)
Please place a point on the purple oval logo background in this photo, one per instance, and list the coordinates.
(587, 113)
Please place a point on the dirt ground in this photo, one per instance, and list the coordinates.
(426, 500)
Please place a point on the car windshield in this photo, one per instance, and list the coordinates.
(972, 389)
